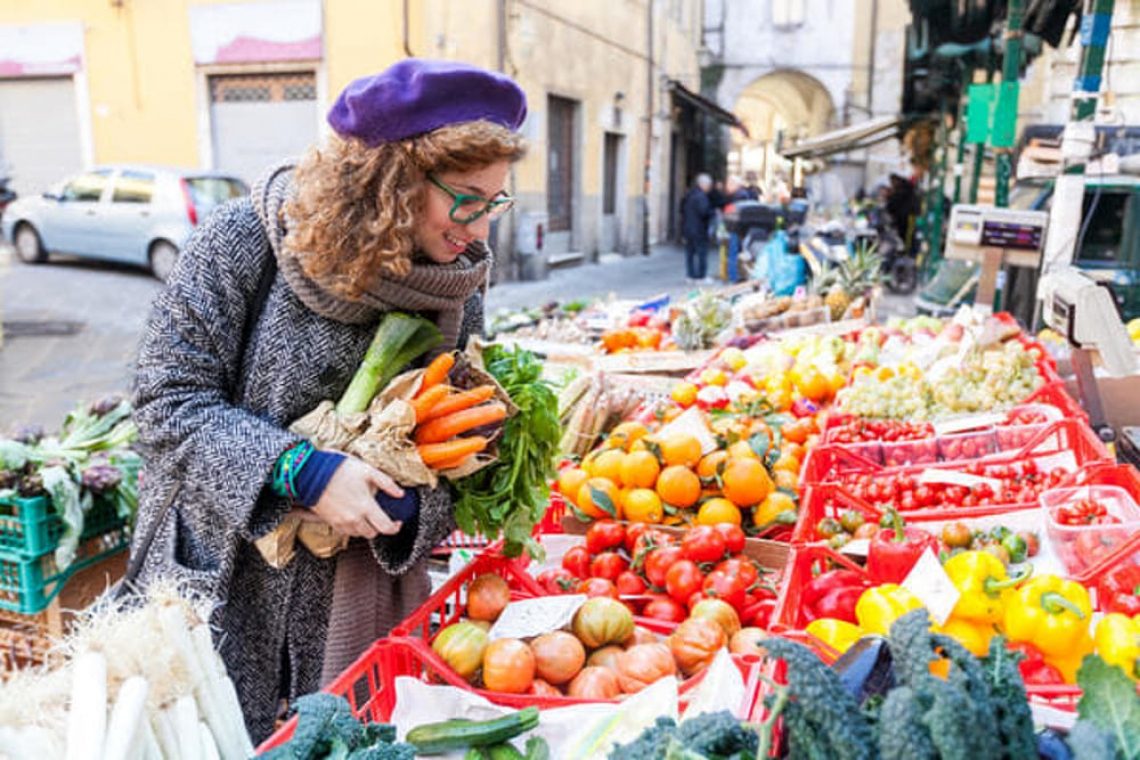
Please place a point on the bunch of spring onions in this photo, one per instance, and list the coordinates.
(141, 682)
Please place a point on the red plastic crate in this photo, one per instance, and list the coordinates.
(807, 562)
(369, 684)
(835, 463)
(1056, 395)
(1122, 476)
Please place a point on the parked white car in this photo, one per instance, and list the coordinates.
(130, 213)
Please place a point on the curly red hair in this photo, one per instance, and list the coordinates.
(353, 214)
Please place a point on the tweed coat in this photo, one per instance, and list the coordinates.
(212, 422)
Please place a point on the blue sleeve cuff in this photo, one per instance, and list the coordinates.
(310, 481)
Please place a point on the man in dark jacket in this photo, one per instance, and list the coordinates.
(696, 215)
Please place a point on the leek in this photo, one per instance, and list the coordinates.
(400, 339)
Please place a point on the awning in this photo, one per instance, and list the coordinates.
(712, 109)
(861, 135)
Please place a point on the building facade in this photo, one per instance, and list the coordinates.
(235, 86)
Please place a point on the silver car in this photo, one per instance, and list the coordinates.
(135, 214)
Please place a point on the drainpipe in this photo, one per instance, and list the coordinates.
(407, 33)
(649, 82)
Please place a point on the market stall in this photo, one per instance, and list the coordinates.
(846, 539)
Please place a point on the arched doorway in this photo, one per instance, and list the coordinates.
(780, 107)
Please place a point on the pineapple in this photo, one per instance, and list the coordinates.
(850, 280)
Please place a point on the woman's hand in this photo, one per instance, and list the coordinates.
(349, 505)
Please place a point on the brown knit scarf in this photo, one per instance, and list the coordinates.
(442, 289)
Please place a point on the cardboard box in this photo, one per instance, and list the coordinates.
(1117, 397)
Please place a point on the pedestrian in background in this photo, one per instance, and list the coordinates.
(734, 193)
(269, 310)
(697, 214)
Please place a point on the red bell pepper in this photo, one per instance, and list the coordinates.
(1034, 670)
(833, 594)
(894, 551)
(1118, 590)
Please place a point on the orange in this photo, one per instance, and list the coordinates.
(586, 499)
(570, 480)
(797, 450)
(786, 461)
(680, 448)
(607, 464)
(742, 450)
(786, 479)
(746, 482)
(814, 385)
(798, 430)
(684, 393)
(780, 399)
(768, 510)
(714, 376)
(626, 434)
(707, 467)
(640, 469)
(718, 510)
(678, 486)
(643, 505)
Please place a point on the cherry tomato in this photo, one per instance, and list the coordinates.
(733, 536)
(703, 543)
(608, 565)
(683, 579)
(727, 586)
(577, 561)
(603, 535)
(742, 567)
(633, 535)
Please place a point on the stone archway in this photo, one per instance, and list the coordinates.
(785, 104)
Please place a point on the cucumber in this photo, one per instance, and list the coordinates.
(438, 738)
(504, 751)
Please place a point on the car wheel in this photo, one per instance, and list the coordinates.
(29, 247)
(163, 256)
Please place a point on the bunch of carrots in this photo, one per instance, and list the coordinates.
(448, 420)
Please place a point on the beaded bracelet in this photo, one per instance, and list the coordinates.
(287, 466)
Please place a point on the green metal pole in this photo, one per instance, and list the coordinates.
(934, 203)
(980, 148)
(1011, 59)
(959, 168)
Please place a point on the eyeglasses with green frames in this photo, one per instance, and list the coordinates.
(467, 208)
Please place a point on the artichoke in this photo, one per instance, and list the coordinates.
(101, 478)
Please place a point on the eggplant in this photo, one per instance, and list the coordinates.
(1051, 745)
(866, 669)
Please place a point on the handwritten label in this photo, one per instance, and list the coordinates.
(524, 618)
(691, 421)
(933, 587)
(857, 547)
(956, 478)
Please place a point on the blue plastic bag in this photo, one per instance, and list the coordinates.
(783, 271)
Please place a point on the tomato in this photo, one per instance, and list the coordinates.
(658, 562)
(602, 620)
(629, 583)
(603, 535)
(640, 636)
(540, 688)
(695, 643)
(595, 682)
(720, 612)
(577, 561)
(749, 640)
(683, 579)
(461, 646)
(703, 543)
(733, 536)
(727, 586)
(743, 567)
(644, 664)
(664, 608)
(605, 657)
(633, 535)
(592, 587)
(558, 656)
(758, 614)
(652, 539)
(487, 596)
(557, 580)
(508, 666)
(608, 565)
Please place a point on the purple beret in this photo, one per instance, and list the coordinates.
(417, 95)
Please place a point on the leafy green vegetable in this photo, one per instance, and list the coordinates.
(1110, 703)
(511, 495)
(327, 729)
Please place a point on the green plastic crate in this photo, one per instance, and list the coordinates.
(30, 527)
(27, 585)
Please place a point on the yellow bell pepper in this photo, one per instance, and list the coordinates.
(1069, 663)
(1117, 640)
(879, 607)
(837, 634)
(1051, 613)
(971, 634)
(982, 580)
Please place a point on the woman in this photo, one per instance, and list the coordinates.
(270, 310)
